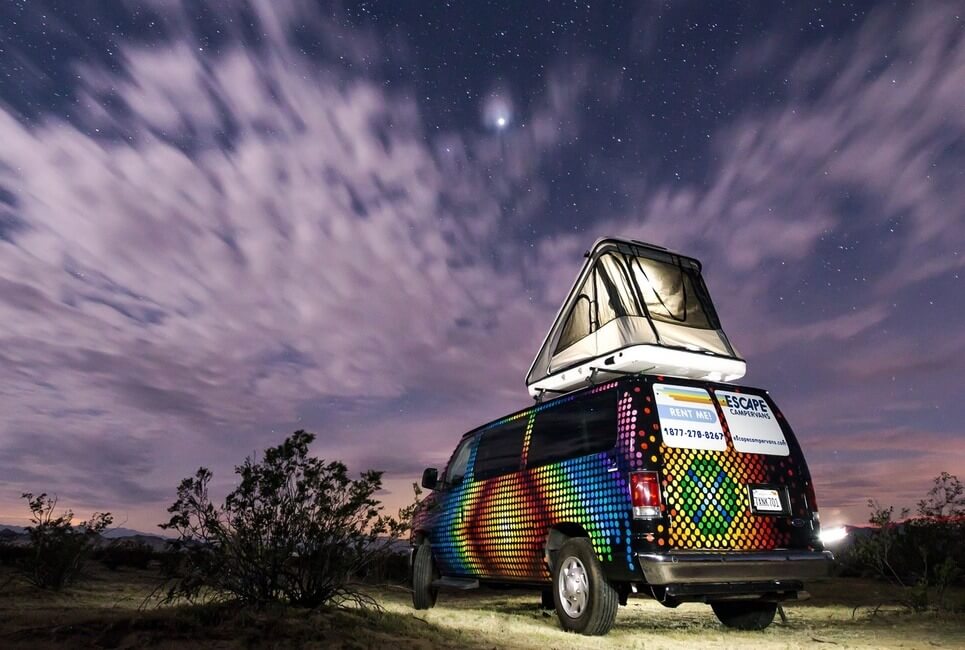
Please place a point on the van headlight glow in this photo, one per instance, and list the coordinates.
(832, 535)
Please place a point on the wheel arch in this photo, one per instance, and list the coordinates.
(557, 535)
(418, 536)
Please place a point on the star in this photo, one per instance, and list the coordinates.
(497, 110)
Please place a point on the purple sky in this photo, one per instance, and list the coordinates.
(217, 227)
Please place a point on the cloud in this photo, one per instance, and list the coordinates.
(825, 215)
(893, 468)
(83, 462)
(225, 241)
(233, 237)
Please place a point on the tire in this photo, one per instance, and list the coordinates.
(744, 615)
(585, 602)
(424, 573)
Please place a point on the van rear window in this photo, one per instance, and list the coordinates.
(583, 426)
(500, 449)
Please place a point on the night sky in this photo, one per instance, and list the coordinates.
(220, 223)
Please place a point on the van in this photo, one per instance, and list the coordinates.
(672, 488)
(649, 474)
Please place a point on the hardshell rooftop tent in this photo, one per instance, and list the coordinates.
(635, 308)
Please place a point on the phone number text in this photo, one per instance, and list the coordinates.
(692, 433)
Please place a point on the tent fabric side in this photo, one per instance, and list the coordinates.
(623, 298)
(617, 334)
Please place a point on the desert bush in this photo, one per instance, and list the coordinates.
(171, 563)
(58, 550)
(295, 530)
(390, 560)
(125, 553)
(946, 498)
(12, 555)
(390, 566)
(921, 556)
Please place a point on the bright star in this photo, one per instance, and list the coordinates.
(497, 110)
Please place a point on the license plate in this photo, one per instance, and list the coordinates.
(767, 500)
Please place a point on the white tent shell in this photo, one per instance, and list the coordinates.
(634, 308)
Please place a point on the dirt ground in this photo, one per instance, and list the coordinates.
(109, 610)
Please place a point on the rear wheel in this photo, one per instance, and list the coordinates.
(424, 573)
(584, 600)
(745, 615)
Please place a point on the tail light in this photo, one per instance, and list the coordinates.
(645, 494)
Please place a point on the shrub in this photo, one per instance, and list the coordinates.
(296, 530)
(391, 568)
(946, 498)
(125, 553)
(390, 564)
(171, 563)
(12, 555)
(58, 550)
(921, 556)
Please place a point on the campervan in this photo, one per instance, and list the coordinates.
(638, 471)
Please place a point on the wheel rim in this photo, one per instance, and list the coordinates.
(572, 586)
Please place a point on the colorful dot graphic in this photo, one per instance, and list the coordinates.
(497, 528)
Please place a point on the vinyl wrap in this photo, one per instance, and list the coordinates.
(497, 528)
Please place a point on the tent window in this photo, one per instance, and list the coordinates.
(578, 322)
(673, 294)
(615, 295)
(670, 293)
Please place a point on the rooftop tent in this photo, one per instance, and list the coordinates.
(634, 308)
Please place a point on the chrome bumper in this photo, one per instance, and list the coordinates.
(696, 567)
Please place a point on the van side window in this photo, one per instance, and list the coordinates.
(500, 449)
(583, 426)
(456, 471)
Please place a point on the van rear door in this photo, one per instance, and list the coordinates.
(732, 474)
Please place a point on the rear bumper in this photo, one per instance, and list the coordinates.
(696, 568)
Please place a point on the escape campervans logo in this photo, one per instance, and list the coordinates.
(753, 428)
(747, 405)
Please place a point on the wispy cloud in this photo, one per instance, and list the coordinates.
(233, 237)
(221, 243)
(864, 149)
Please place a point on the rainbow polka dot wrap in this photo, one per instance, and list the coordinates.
(497, 528)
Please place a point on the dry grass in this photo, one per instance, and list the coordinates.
(104, 612)
(514, 620)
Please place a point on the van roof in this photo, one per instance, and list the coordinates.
(635, 379)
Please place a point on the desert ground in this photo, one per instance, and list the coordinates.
(114, 610)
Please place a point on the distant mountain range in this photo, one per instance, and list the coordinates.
(17, 535)
(113, 533)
